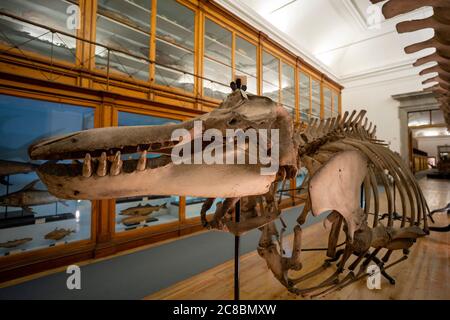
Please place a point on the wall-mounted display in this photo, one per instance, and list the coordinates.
(31, 217)
(146, 210)
(25, 36)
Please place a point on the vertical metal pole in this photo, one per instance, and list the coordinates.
(7, 193)
(236, 253)
(361, 201)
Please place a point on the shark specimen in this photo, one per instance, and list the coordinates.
(14, 167)
(340, 154)
(27, 197)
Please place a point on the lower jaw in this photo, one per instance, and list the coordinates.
(212, 181)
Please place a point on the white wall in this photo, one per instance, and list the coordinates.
(430, 144)
(375, 96)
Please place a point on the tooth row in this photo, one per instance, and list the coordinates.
(116, 164)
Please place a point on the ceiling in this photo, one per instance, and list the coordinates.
(349, 38)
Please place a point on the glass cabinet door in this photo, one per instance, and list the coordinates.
(327, 103)
(31, 217)
(288, 88)
(175, 26)
(315, 98)
(29, 37)
(245, 63)
(271, 77)
(125, 26)
(145, 210)
(305, 97)
(194, 206)
(335, 104)
(217, 60)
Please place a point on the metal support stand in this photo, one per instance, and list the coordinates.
(7, 193)
(236, 253)
(361, 198)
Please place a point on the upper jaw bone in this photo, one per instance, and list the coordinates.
(96, 141)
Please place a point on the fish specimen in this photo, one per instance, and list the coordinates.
(58, 234)
(14, 243)
(14, 167)
(128, 221)
(141, 210)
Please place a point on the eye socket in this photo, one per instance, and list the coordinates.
(232, 122)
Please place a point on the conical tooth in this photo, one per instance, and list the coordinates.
(142, 162)
(102, 165)
(116, 166)
(87, 166)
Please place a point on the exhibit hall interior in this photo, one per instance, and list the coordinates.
(224, 150)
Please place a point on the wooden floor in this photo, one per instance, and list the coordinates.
(424, 275)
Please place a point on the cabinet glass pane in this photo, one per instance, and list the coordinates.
(335, 104)
(315, 87)
(418, 118)
(124, 26)
(288, 88)
(194, 206)
(134, 13)
(174, 45)
(29, 214)
(245, 63)
(28, 37)
(327, 102)
(146, 210)
(218, 75)
(217, 62)
(304, 90)
(217, 42)
(271, 80)
(437, 117)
